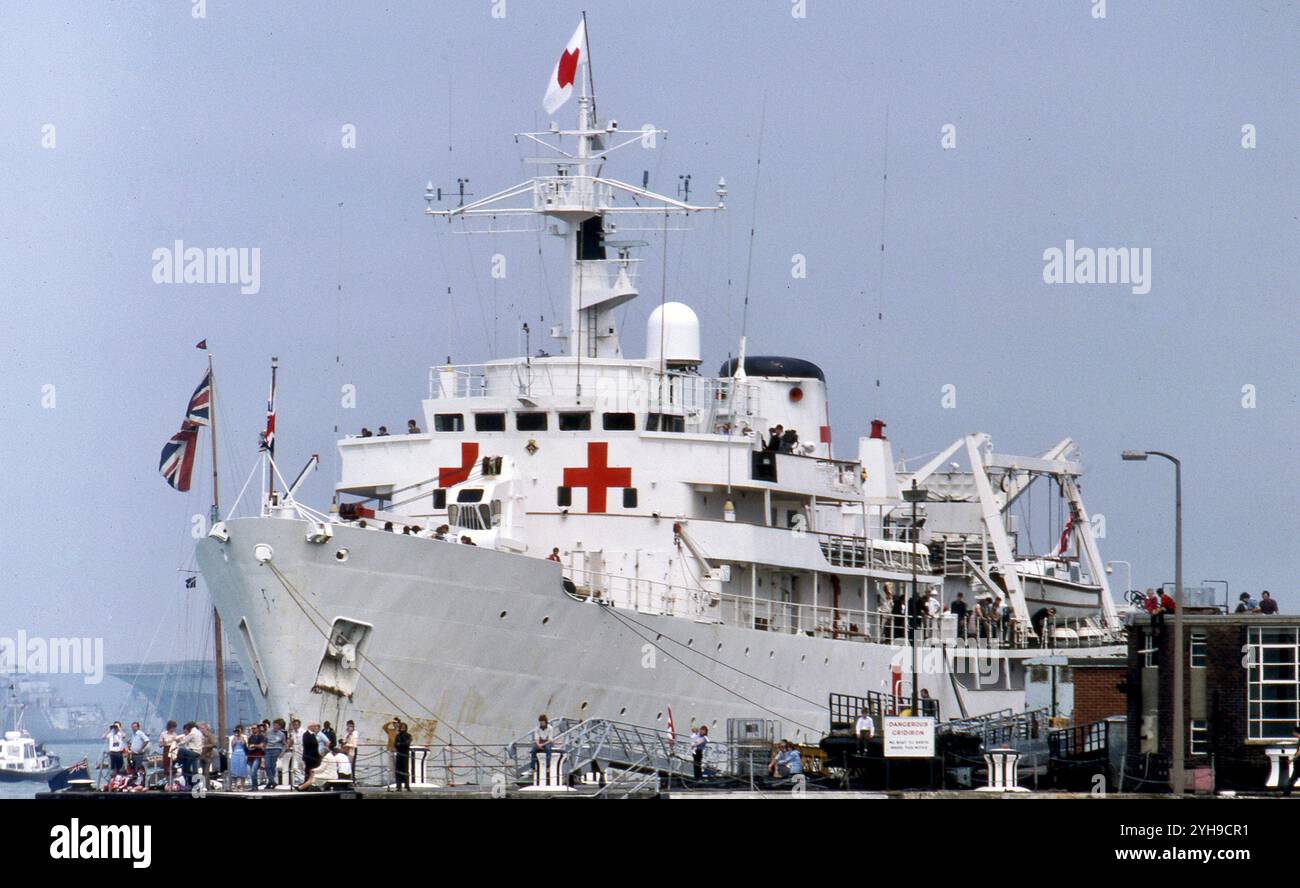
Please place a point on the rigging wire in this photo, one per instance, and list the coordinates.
(753, 219)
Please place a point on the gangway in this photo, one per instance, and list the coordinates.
(618, 757)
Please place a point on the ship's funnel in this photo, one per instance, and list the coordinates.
(672, 335)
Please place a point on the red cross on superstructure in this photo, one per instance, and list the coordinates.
(598, 476)
(449, 476)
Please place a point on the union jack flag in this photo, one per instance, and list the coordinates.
(200, 409)
(177, 461)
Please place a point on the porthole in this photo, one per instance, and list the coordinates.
(501, 616)
(583, 707)
(746, 652)
(622, 710)
(803, 658)
(341, 554)
(690, 642)
(719, 647)
(545, 620)
(771, 654)
(659, 717)
(826, 662)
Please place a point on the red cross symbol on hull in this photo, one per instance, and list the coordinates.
(598, 476)
(449, 476)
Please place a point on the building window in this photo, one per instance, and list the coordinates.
(1272, 691)
(1149, 650)
(489, 422)
(575, 422)
(619, 422)
(449, 422)
(530, 422)
(1199, 741)
(1197, 652)
(664, 422)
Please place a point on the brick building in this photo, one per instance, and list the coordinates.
(1241, 695)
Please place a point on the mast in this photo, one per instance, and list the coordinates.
(268, 439)
(218, 651)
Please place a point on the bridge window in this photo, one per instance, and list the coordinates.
(629, 497)
(449, 422)
(470, 495)
(530, 422)
(575, 422)
(564, 496)
(440, 498)
(489, 422)
(664, 422)
(619, 422)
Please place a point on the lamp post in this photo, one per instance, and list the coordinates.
(1177, 777)
(1128, 575)
(914, 495)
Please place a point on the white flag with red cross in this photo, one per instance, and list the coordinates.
(560, 86)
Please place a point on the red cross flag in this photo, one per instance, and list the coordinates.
(560, 86)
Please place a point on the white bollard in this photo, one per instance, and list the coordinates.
(1281, 761)
(1002, 763)
(548, 775)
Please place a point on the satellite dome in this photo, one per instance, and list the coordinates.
(672, 334)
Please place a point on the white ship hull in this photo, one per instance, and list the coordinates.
(469, 642)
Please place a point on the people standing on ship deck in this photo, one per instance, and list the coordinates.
(237, 750)
(777, 437)
(275, 740)
(1267, 603)
(555, 555)
(958, 609)
(896, 617)
(402, 748)
(116, 747)
(383, 432)
(328, 730)
(1039, 622)
(256, 754)
(189, 749)
(366, 433)
(139, 746)
(865, 729)
(347, 745)
(1245, 604)
(167, 744)
(310, 748)
(789, 441)
(699, 742)
(412, 428)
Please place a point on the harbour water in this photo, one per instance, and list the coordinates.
(68, 753)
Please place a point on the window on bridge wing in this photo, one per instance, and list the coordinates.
(470, 495)
(619, 422)
(489, 422)
(575, 422)
(530, 422)
(449, 422)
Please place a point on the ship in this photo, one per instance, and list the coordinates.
(592, 534)
(55, 720)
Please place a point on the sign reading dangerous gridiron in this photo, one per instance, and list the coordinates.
(908, 737)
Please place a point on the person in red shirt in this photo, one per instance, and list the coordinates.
(1152, 606)
(1167, 603)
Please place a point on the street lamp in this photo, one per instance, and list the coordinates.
(1177, 777)
(1128, 575)
(914, 495)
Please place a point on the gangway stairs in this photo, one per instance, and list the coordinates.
(625, 758)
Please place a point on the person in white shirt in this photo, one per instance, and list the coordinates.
(116, 747)
(190, 748)
(139, 746)
(298, 773)
(543, 740)
(865, 729)
(167, 741)
(334, 766)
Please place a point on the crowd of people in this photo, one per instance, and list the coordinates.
(1266, 604)
(412, 428)
(264, 755)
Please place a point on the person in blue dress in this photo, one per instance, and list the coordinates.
(238, 752)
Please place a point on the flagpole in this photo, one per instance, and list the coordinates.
(591, 78)
(218, 651)
(270, 444)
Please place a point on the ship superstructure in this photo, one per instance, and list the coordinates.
(597, 535)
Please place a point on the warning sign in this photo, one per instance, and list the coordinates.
(909, 737)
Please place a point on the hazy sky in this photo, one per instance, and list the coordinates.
(227, 131)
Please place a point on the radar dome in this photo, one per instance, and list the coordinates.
(672, 334)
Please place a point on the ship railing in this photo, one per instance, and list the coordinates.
(843, 550)
(441, 764)
(642, 594)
